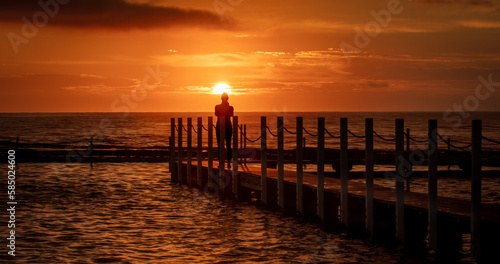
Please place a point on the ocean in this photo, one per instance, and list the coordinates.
(153, 129)
(132, 213)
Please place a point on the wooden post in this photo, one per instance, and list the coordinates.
(407, 156)
(321, 168)
(189, 153)
(263, 158)
(235, 155)
(199, 153)
(179, 150)
(245, 142)
(222, 154)
(344, 172)
(172, 145)
(476, 189)
(432, 183)
(281, 168)
(400, 180)
(369, 175)
(300, 169)
(241, 136)
(210, 150)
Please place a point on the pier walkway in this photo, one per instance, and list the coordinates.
(414, 219)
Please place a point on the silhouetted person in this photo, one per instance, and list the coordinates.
(224, 110)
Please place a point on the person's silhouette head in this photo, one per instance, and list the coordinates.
(224, 97)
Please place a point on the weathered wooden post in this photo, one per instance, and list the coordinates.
(222, 155)
(369, 175)
(189, 151)
(241, 136)
(172, 147)
(245, 142)
(170, 156)
(235, 156)
(199, 154)
(400, 180)
(281, 168)
(210, 150)
(263, 158)
(476, 189)
(432, 183)
(407, 156)
(344, 172)
(321, 168)
(300, 169)
(179, 149)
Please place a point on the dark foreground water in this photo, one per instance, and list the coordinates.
(131, 213)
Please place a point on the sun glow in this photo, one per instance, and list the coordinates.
(221, 88)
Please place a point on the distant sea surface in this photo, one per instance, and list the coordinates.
(153, 129)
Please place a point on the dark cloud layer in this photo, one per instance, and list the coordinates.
(110, 14)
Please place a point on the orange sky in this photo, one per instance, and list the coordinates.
(94, 55)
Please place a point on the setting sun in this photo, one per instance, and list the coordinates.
(221, 88)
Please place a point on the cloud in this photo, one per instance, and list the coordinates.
(112, 14)
(53, 83)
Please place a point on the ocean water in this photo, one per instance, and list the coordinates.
(153, 129)
(132, 213)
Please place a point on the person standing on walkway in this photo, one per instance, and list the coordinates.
(224, 110)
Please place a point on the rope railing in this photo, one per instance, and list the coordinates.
(268, 129)
(416, 140)
(307, 132)
(286, 129)
(384, 139)
(491, 140)
(447, 142)
(354, 135)
(253, 141)
(328, 132)
(451, 145)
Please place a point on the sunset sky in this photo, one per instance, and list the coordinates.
(317, 55)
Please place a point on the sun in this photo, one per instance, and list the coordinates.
(221, 88)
